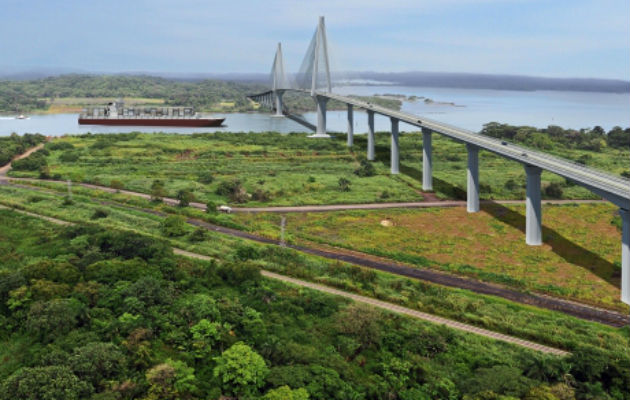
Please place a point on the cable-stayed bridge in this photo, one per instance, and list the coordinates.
(314, 79)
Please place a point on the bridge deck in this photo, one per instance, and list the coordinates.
(613, 188)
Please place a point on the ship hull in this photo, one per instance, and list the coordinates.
(192, 122)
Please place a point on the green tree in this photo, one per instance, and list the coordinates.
(157, 190)
(45, 383)
(365, 169)
(204, 335)
(344, 184)
(286, 393)
(185, 196)
(95, 362)
(240, 370)
(174, 225)
(172, 379)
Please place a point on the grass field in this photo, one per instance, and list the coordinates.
(291, 169)
(579, 258)
(492, 313)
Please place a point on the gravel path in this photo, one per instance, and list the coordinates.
(399, 309)
(315, 208)
(584, 311)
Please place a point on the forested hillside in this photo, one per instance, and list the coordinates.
(206, 95)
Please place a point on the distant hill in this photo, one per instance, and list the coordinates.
(412, 78)
(495, 82)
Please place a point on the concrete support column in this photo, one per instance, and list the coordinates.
(625, 255)
(472, 188)
(370, 141)
(350, 126)
(279, 94)
(533, 212)
(427, 161)
(321, 115)
(394, 157)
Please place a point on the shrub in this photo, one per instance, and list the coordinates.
(211, 207)
(67, 201)
(384, 194)
(365, 169)
(261, 195)
(311, 179)
(31, 163)
(44, 172)
(198, 235)
(185, 196)
(174, 225)
(157, 190)
(554, 190)
(59, 145)
(99, 213)
(344, 184)
(206, 178)
(234, 190)
(116, 184)
(69, 156)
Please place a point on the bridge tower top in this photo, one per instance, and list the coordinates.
(321, 50)
(278, 77)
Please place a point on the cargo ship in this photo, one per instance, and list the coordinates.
(116, 113)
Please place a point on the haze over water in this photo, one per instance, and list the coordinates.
(472, 109)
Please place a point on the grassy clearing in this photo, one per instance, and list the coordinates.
(578, 260)
(485, 311)
(276, 169)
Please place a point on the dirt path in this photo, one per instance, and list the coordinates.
(417, 314)
(49, 219)
(4, 169)
(363, 299)
(569, 307)
(316, 208)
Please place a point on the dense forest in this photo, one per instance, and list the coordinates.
(88, 313)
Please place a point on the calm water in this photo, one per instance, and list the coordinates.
(472, 109)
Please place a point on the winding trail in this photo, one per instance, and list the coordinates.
(313, 208)
(363, 299)
(399, 309)
(5, 168)
(583, 311)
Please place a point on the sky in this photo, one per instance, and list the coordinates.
(553, 38)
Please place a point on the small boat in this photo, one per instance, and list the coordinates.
(21, 116)
(116, 113)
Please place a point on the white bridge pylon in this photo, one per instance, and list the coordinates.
(279, 81)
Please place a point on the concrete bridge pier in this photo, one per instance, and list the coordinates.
(625, 255)
(395, 150)
(278, 95)
(427, 161)
(350, 126)
(370, 141)
(321, 117)
(533, 212)
(472, 188)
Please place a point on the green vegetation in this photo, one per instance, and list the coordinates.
(93, 313)
(70, 93)
(554, 137)
(272, 169)
(105, 310)
(488, 246)
(256, 169)
(11, 146)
